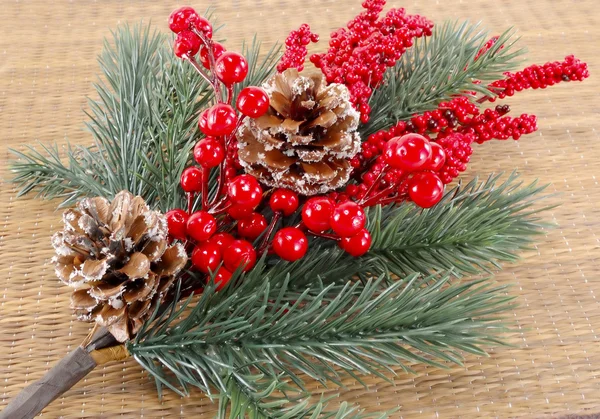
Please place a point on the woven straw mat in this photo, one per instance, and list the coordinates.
(48, 62)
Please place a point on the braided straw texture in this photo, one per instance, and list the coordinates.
(47, 64)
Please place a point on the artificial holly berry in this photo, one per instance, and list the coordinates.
(426, 189)
(222, 278)
(347, 219)
(191, 179)
(253, 226)
(203, 25)
(218, 120)
(206, 257)
(186, 44)
(222, 240)
(284, 200)
(218, 50)
(240, 212)
(201, 225)
(209, 152)
(239, 253)
(177, 222)
(245, 190)
(410, 152)
(316, 213)
(182, 19)
(253, 102)
(358, 244)
(438, 158)
(231, 68)
(290, 244)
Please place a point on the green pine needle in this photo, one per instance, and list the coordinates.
(438, 67)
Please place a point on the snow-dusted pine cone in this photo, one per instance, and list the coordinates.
(306, 139)
(117, 256)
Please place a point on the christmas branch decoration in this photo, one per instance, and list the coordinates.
(243, 225)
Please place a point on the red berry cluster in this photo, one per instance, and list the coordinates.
(359, 56)
(486, 47)
(540, 76)
(295, 48)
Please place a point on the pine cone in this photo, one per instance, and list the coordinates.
(117, 257)
(306, 139)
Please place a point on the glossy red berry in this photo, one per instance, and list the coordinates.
(438, 158)
(290, 244)
(358, 244)
(218, 50)
(347, 219)
(186, 44)
(316, 213)
(204, 26)
(207, 257)
(410, 152)
(218, 120)
(182, 19)
(245, 190)
(177, 222)
(201, 225)
(239, 253)
(284, 200)
(253, 102)
(222, 240)
(253, 226)
(222, 278)
(240, 212)
(426, 189)
(231, 68)
(209, 152)
(191, 179)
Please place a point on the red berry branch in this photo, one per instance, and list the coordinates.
(358, 56)
(295, 48)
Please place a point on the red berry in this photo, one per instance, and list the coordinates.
(245, 190)
(426, 189)
(316, 213)
(186, 44)
(209, 152)
(201, 225)
(222, 278)
(204, 26)
(290, 244)
(231, 68)
(191, 179)
(222, 240)
(285, 201)
(253, 102)
(438, 158)
(410, 152)
(253, 226)
(239, 253)
(347, 219)
(240, 212)
(182, 19)
(217, 121)
(206, 257)
(177, 221)
(218, 50)
(358, 244)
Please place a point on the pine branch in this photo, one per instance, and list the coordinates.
(437, 68)
(144, 123)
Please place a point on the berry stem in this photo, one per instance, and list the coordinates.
(199, 70)
(205, 179)
(229, 93)
(190, 202)
(265, 241)
(328, 236)
(211, 59)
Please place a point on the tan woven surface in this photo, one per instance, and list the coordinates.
(47, 64)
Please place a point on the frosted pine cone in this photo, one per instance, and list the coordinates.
(306, 139)
(117, 256)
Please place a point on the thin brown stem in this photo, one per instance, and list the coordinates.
(265, 241)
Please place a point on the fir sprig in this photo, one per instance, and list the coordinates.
(144, 124)
(438, 67)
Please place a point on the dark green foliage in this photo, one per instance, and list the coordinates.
(437, 68)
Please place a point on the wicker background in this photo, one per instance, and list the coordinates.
(47, 64)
